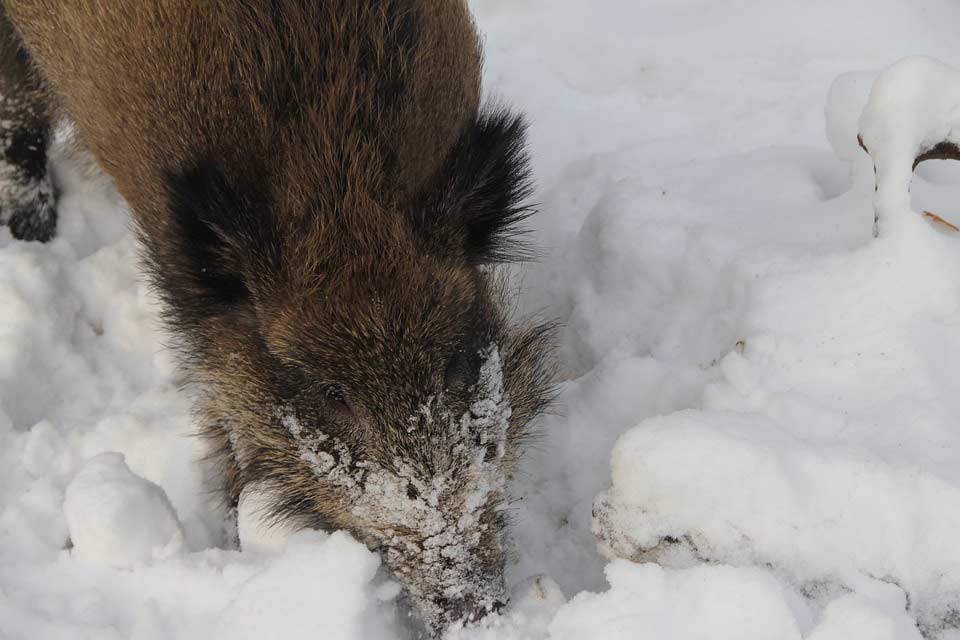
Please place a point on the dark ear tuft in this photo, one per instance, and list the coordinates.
(495, 206)
(482, 201)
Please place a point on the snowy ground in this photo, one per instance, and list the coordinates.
(758, 395)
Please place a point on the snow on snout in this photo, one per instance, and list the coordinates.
(436, 535)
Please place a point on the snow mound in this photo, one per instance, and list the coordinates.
(828, 446)
(649, 602)
(322, 586)
(117, 518)
(853, 616)
(702, 603)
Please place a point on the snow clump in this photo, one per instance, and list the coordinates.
(117, 518)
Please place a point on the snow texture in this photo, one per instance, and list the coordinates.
(116, 517)
(320, 587)
(256, 531)
(778, 388)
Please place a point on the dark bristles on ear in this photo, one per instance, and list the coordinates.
(495, 205)
(484, 204)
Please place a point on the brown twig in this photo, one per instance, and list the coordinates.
(937, 218)
(941, 151)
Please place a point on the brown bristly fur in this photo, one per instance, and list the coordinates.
(320, 198)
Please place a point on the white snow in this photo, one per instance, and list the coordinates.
(708, 603)
(756, 393)
(256, 531)
(322, 587)
(117, 518)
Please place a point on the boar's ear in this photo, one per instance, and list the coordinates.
(212, 236)
(485, 193)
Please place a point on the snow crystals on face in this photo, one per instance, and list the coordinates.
(490, 413)
(336, 470)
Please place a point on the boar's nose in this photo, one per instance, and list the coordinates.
(497, 606)
(468, 611)
(476, 613)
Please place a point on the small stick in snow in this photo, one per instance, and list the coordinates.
(941, 151)
(936, 218)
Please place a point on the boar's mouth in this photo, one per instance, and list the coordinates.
(438, 527)
(448, 614)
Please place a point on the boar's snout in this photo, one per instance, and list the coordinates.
(471, 611)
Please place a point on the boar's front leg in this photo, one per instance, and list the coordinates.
(27, 201)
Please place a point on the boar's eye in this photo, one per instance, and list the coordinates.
(337, 401)
(412, 492)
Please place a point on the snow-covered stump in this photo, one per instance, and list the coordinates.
(913, 115)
